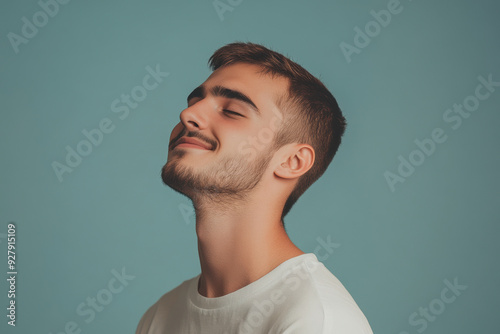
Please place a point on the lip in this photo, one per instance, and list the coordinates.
(189, 142)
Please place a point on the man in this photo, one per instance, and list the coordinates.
(254, 136)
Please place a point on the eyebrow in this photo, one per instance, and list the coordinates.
(221, 91)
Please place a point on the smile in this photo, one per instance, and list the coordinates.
(189, 142)
(189, 145)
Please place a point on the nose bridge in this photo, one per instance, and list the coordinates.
(196, 115)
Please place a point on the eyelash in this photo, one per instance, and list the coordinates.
(226, 111)
(231, 112)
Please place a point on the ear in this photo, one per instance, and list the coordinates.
(296, 161)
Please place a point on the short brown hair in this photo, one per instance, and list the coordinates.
(313, 116)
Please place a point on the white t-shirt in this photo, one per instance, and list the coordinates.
(300, 296)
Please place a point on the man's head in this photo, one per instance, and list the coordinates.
(278, 103)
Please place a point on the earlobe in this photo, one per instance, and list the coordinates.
(297, 163)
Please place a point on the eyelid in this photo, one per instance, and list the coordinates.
(196, 99)
(232, 112)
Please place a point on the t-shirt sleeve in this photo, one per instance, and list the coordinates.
(348, 321)
(307, 317)
(304, 325)
(341, 317)
(146, 320)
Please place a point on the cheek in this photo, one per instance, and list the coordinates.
(225, 127)
(240, 141)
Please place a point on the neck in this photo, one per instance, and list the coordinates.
(236, 247)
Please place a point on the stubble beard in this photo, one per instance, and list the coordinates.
(232, 178)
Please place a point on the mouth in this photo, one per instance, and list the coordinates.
(188, 145)
(189, 142)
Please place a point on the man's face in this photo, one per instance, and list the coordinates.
(233, 114)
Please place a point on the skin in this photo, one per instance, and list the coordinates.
(238, 197)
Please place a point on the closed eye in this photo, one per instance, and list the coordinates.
(231, 112)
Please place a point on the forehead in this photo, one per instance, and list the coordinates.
(264, 89)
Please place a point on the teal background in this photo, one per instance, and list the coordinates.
(113, 211)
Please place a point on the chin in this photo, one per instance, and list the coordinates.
(177, 177)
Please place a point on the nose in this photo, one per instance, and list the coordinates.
(195, 117)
